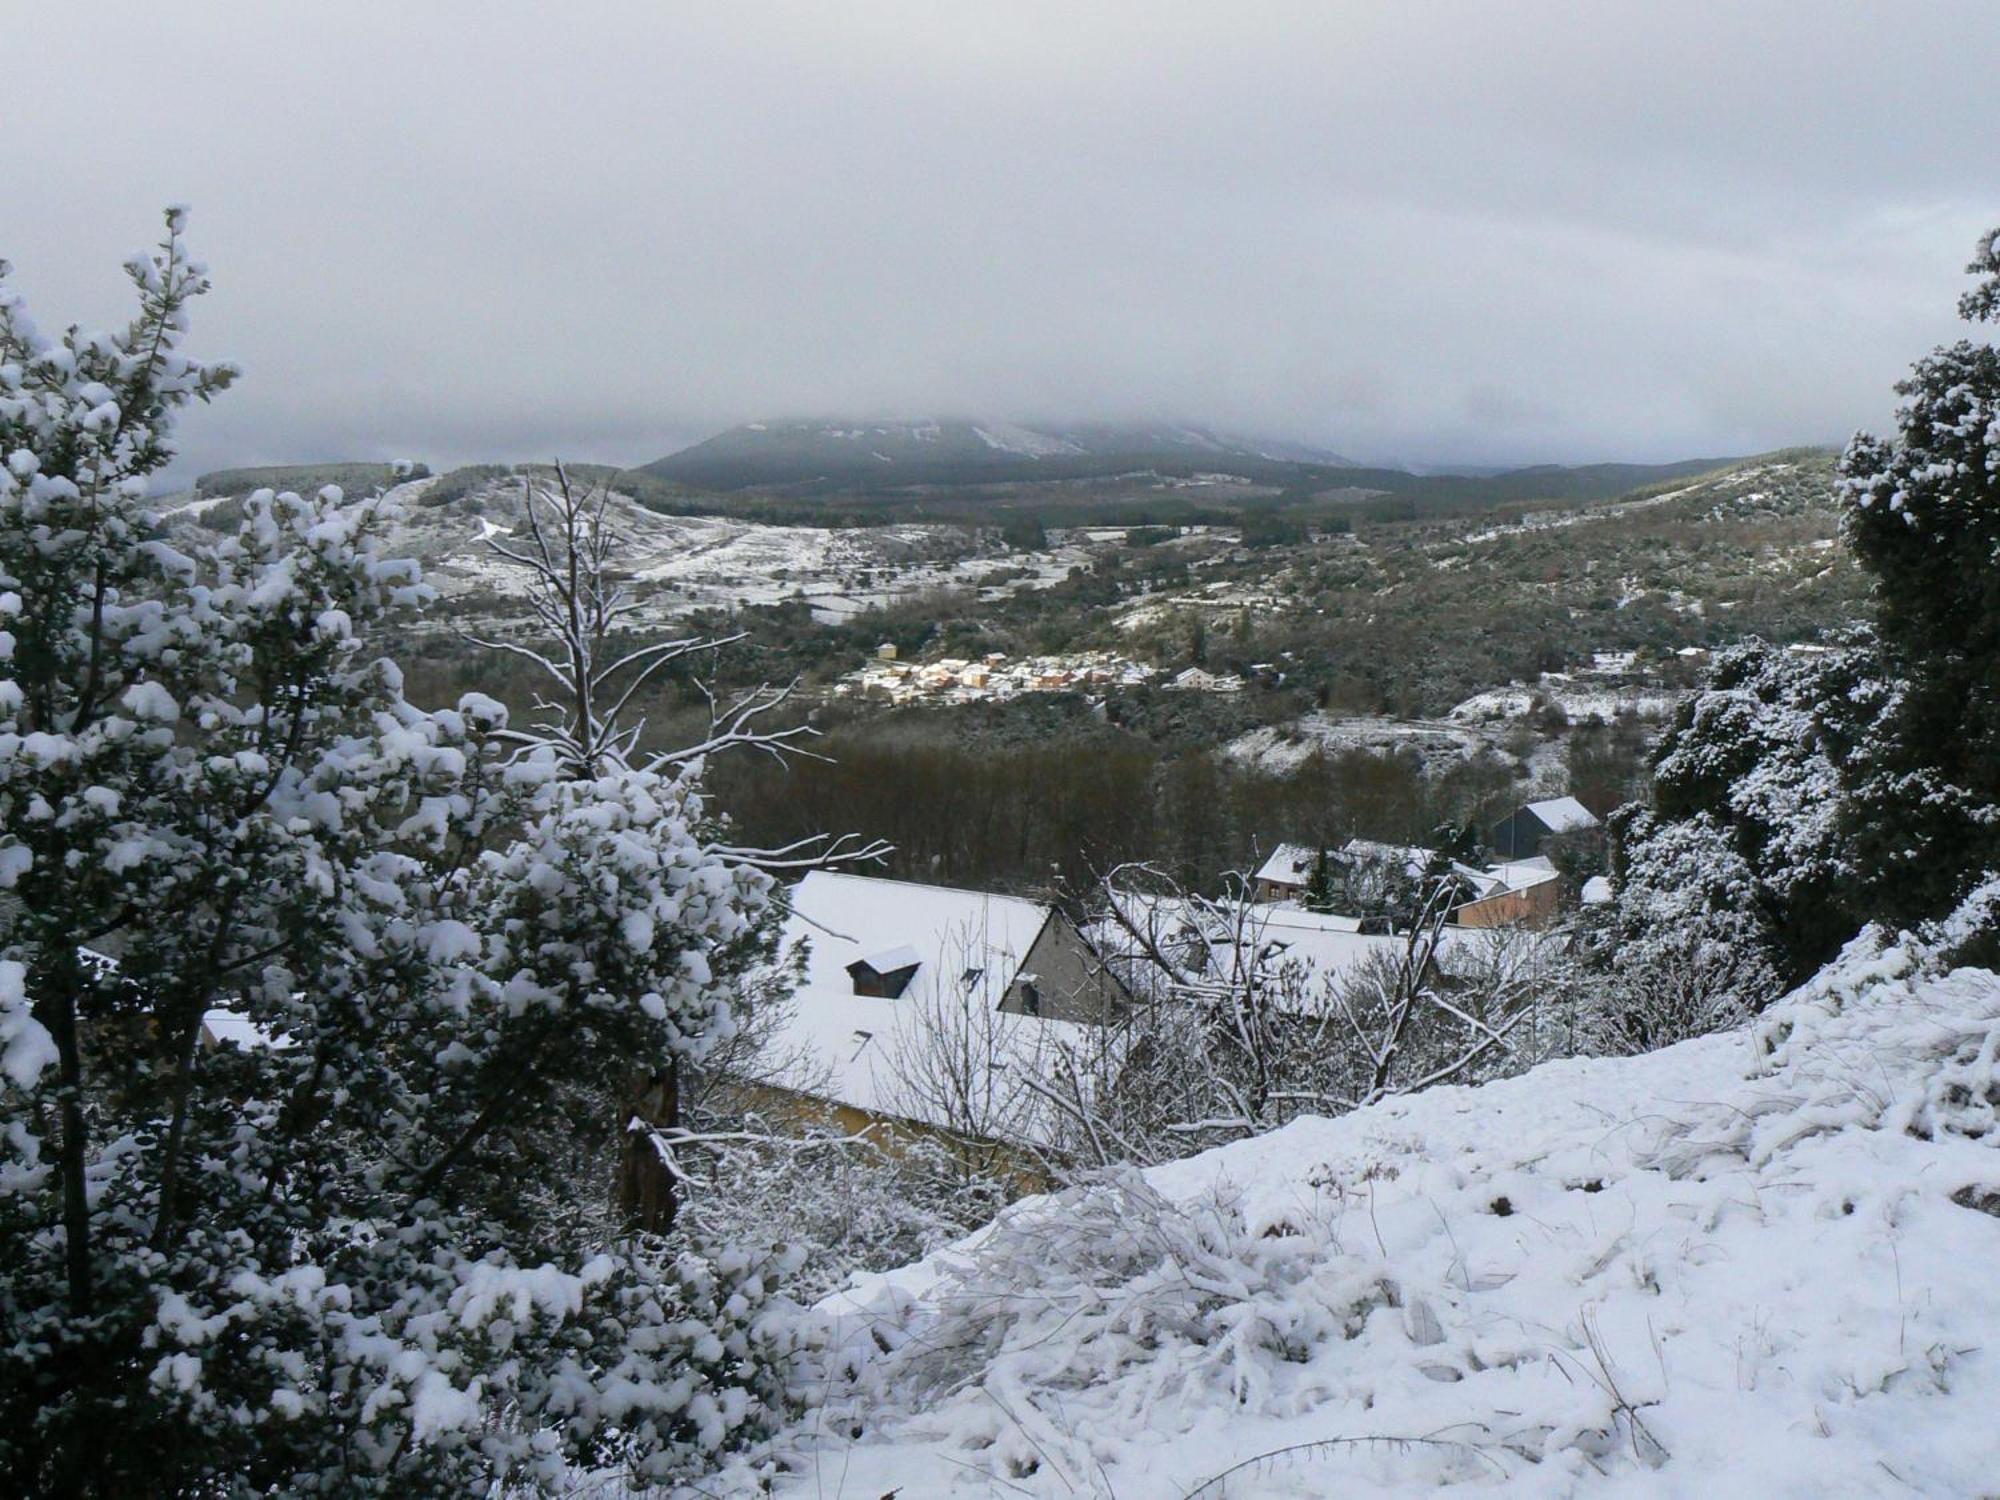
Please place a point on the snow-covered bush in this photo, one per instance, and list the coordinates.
(1685, 950)
(366, 1253)
(840, 1204)
(1110, 1278)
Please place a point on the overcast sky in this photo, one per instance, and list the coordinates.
(1421, 232)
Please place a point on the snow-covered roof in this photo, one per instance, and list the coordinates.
(850, 918)
(1318, 921)
(1509, 875)
(968, 948)
(1523, 874)
(1325, 948)
(1292, 864)
(1563, 814)
(1414, 858)
(1331, 950)
(1289, 864)
(890, 960)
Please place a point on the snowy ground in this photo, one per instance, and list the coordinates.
(1577, 700)
(1753, 1264)
(677, 564)
(1285, 747)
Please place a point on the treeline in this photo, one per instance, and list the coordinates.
(1051, 787)
(1029, 816)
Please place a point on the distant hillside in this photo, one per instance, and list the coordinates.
(984, 474)
(994, 466)
(947, 452)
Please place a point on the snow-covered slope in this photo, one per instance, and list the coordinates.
(672, 564)
(1754, 1264)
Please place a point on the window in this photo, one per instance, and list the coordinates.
(1031, 998)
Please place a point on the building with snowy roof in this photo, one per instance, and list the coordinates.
(1524, 892)
(1358, 870)
(1285, 875)
(925, 1005)
(1521, 834)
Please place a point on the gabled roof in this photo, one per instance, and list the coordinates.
(1510, 875)
(1563, 814)
(890, 960)
(968, 946)
(1414, 858)
(1289, 864)
(1522, 874)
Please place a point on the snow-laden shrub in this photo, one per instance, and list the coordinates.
(377, 1376)
(1109, 1278)
(842, 1205)
(369, 1251)
(1892, 1035)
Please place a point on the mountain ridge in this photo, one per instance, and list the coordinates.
(947, 450)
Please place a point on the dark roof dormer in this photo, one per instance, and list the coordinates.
(887, 974)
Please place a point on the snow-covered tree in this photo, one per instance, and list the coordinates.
(588, 674)
(1687, 950)
(1924, 517)
(1860, 782)
(363, 1253)
(1771, 751)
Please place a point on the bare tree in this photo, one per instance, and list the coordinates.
(1234, 1033)
(590, 678)
(966, 1067)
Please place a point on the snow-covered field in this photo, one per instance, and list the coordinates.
(1751, 1265)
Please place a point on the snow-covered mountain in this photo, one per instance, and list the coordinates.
(959, 450)
(1757, 1263)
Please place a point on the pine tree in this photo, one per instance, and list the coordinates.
(1319, 884)
(367, 1252)
(1924, 517)
(1863, 782)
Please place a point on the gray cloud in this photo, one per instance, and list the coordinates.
(1428, 232)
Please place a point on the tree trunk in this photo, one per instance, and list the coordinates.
(648, 1196)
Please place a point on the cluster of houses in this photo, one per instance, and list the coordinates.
(954, 679)
(920, 1005)
(1523, 886)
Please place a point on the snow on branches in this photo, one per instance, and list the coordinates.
(369, 1251)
